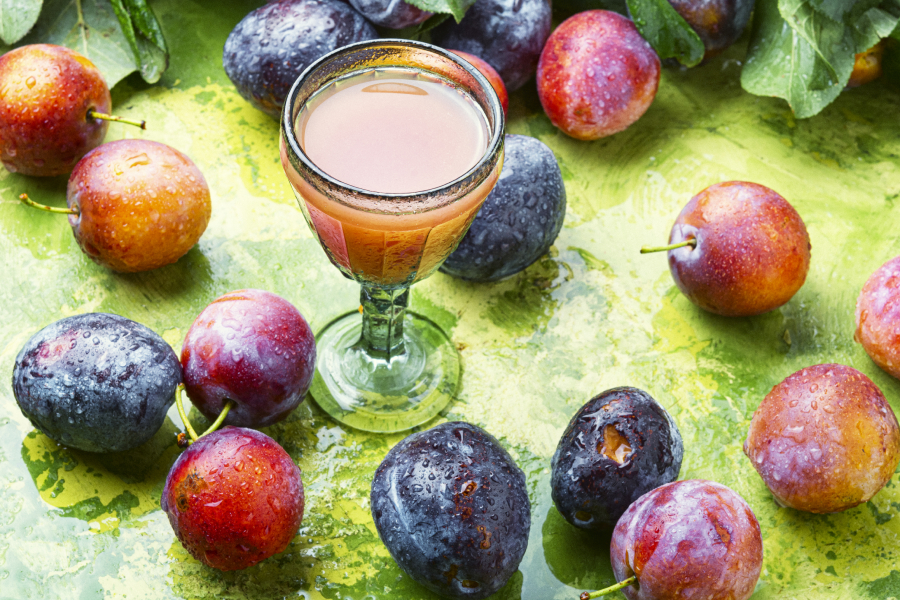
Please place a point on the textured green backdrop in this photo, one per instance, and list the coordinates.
(592, 315)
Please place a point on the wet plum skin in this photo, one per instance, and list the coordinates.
(688, 539)
(252, 347)
(596, 75)
(114, 378)
(824, 439)
(452, 508)
(519, 220)
(48, 90)
(273, 45)
(719, 23)
(506, 34)
(234, 498)
(589, 487)
(877, 316)
(393, 14)
(752, 252)
(142, 205)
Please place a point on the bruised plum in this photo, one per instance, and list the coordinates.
(520, 218)
(619, 446)
(234, 498)
(688, 539)
(506, 34)
(393, 14)
(251, 347)
(824, 439)
(273, 45)
(96, 382)
(718, 22)
(451, 507)
(596, 75)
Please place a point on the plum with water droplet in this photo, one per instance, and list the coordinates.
(719, 23)
(234, 498)
(506, 34)
(520, 218)
(273, 45)
(138, 205)
(46, 92)
(617, 447)
(688, 539)
(878, 315)
(393, 14)
(824, 439)
(596, 75)
(254, 348)
(97, 382)
(452, 508)
(744, 250)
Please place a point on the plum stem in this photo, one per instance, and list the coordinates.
(93, 114)
(29, 202)
(610, 589)
(183, 415)
(648, 249)
(229, 404)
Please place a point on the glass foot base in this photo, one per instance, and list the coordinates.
(381, 393)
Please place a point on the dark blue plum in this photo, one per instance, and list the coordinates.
(96, 382)
(451, 507)
(272, 45)
(507, 34)
(618, 447)
(520, 218)
(393, 14)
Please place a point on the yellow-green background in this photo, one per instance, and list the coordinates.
(592, 315)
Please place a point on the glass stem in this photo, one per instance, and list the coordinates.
(383, 312)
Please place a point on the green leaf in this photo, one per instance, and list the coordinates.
(414, 32)
(140, 28)
(828, 40)
(665, 30)
(17, 17)
(781, 63)
(89, 27)
(457, 8)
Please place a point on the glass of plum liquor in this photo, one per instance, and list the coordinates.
(391, 147)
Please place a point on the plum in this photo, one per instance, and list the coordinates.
(251, 347)
(719, 23)
(234, 498)
(617, 447)
(824, 439)
(392, 14)
(452, 508)
(596, 75)
(96, 382)
(44, 123)
(506, 34)
(520, 218)
(877, 316)
(738, 249)
(867, 66)
(688, 539)
(490, 74)
(273, 45)
(138, 205)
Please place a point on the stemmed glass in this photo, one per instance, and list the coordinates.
(390, 369)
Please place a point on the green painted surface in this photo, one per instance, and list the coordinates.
(592, 315)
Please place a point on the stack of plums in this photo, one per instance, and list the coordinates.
(133, 205)
(102, 383)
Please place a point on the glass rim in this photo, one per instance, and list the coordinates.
(494, 143)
